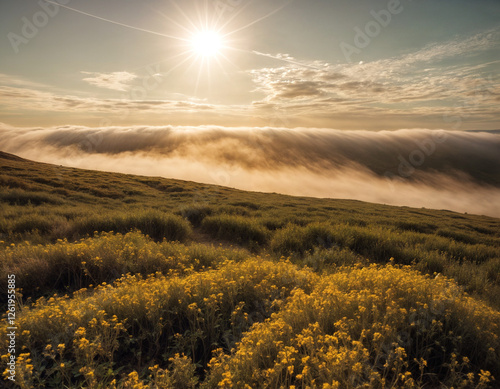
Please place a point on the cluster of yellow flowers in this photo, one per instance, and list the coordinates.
(369, 327)
(73, 265)
(260, 323)
(184, 314)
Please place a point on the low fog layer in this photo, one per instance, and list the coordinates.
(439, 169)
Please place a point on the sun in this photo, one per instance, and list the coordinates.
(206, 43)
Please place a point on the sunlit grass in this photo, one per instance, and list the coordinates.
(141, 282)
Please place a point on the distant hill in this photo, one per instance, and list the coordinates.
(10, 157)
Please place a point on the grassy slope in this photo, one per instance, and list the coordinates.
(70, 193)
(55, 233)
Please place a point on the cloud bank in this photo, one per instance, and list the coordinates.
(439, 169)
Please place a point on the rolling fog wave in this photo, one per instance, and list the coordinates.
(454, 170)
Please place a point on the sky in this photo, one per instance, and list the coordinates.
(393, 101)
(341, 64)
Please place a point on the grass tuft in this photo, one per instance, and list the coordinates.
(235, 229)
(155, 224)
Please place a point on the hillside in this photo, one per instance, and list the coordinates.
(133, 281)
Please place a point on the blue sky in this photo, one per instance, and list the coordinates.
(318, 63)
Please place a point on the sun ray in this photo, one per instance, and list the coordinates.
(208, 39)
(177, 24)
(198, 78)
(233, 16)
(179, 64)
(257, 20)
(203, 35)
(186, 17)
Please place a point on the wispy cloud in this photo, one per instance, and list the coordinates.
(18, 103)
(419, 80)
(119, 81)
(10, 80)
(33, 99)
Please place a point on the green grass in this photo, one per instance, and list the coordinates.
(22, 197)
(236, 229)
(196, 214)
(168, 284)
(157, 225)
(65, 267)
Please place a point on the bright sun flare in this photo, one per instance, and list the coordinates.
(206, 43)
